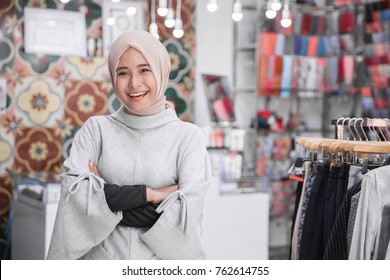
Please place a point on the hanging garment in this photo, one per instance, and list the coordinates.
(305, 198)
(346, 22)
(321, 26)
(294, 239)
(286, 75)
(311, 243)
(280, 43)
(298, 193)
(368, 241)
(313, 46)
(321, 46)
(337, 247)
(334, 193)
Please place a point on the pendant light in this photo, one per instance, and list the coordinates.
(237, 11)
(286, 21)
(270, 13)
(170, 20)
(162, 8)
(153, 28)
(178, 32)
(276, 5)
(212, 6)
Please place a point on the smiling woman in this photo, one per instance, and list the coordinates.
(135, 83)
(136, 180)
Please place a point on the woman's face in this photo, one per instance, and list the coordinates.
(135, 82)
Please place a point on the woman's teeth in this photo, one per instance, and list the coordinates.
(137, 94)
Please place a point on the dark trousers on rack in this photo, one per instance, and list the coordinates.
(312, 239)
(335, 190)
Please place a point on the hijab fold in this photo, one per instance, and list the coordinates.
(158, 58)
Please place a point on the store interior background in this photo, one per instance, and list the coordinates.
(48, 97)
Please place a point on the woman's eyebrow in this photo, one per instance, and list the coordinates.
(138, 66)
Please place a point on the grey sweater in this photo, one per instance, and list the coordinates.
(157, 151)
(370, 239)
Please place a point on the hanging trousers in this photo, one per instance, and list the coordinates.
(337, 247)
(334, 194)
(312, 239)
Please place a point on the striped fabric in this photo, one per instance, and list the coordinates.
(336, 248)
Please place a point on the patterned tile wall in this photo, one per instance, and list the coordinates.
(47, 98)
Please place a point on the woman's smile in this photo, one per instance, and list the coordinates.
(137, 96)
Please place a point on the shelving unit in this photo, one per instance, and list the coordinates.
(321, 41)
(244, 77)
(247, 104)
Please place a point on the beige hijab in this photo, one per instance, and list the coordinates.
(155, 54)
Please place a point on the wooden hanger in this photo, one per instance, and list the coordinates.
(338, 145)
(303, 140)
(372, 147)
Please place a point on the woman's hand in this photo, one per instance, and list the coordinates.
(93, 168)
(158, 195)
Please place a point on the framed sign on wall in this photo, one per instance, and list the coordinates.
(120, 17)
(54, 32)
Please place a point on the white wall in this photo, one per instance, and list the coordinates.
(214, 50)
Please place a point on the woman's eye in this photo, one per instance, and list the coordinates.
(145, 70)
(121, 73)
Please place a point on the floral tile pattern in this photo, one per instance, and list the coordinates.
(93, 68)
(7, 52)
(11, 124)
(67, 142)
(180, 96)
(15, 76)
(6, 6)
(173, 96)
(91, 8)
(37, 64)
(6, 151)
(85, 99)
(38, 149)
(8, 110)
(113, 102)
(180, 60)
(39, 104)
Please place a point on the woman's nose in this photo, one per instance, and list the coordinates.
(134, 81)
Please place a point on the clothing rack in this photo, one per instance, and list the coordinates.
(330, 175)
(357, 150)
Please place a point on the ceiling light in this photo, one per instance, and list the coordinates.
(153, 27)
(237, 11)
(162, 8)
(212, 6)
(170, 20)
(178, 32)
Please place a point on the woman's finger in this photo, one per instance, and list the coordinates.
(92, 168)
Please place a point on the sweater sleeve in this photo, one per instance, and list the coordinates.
(144, 216)
(131, 200)
(177, 234)
(125, 197)
(83, 218)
